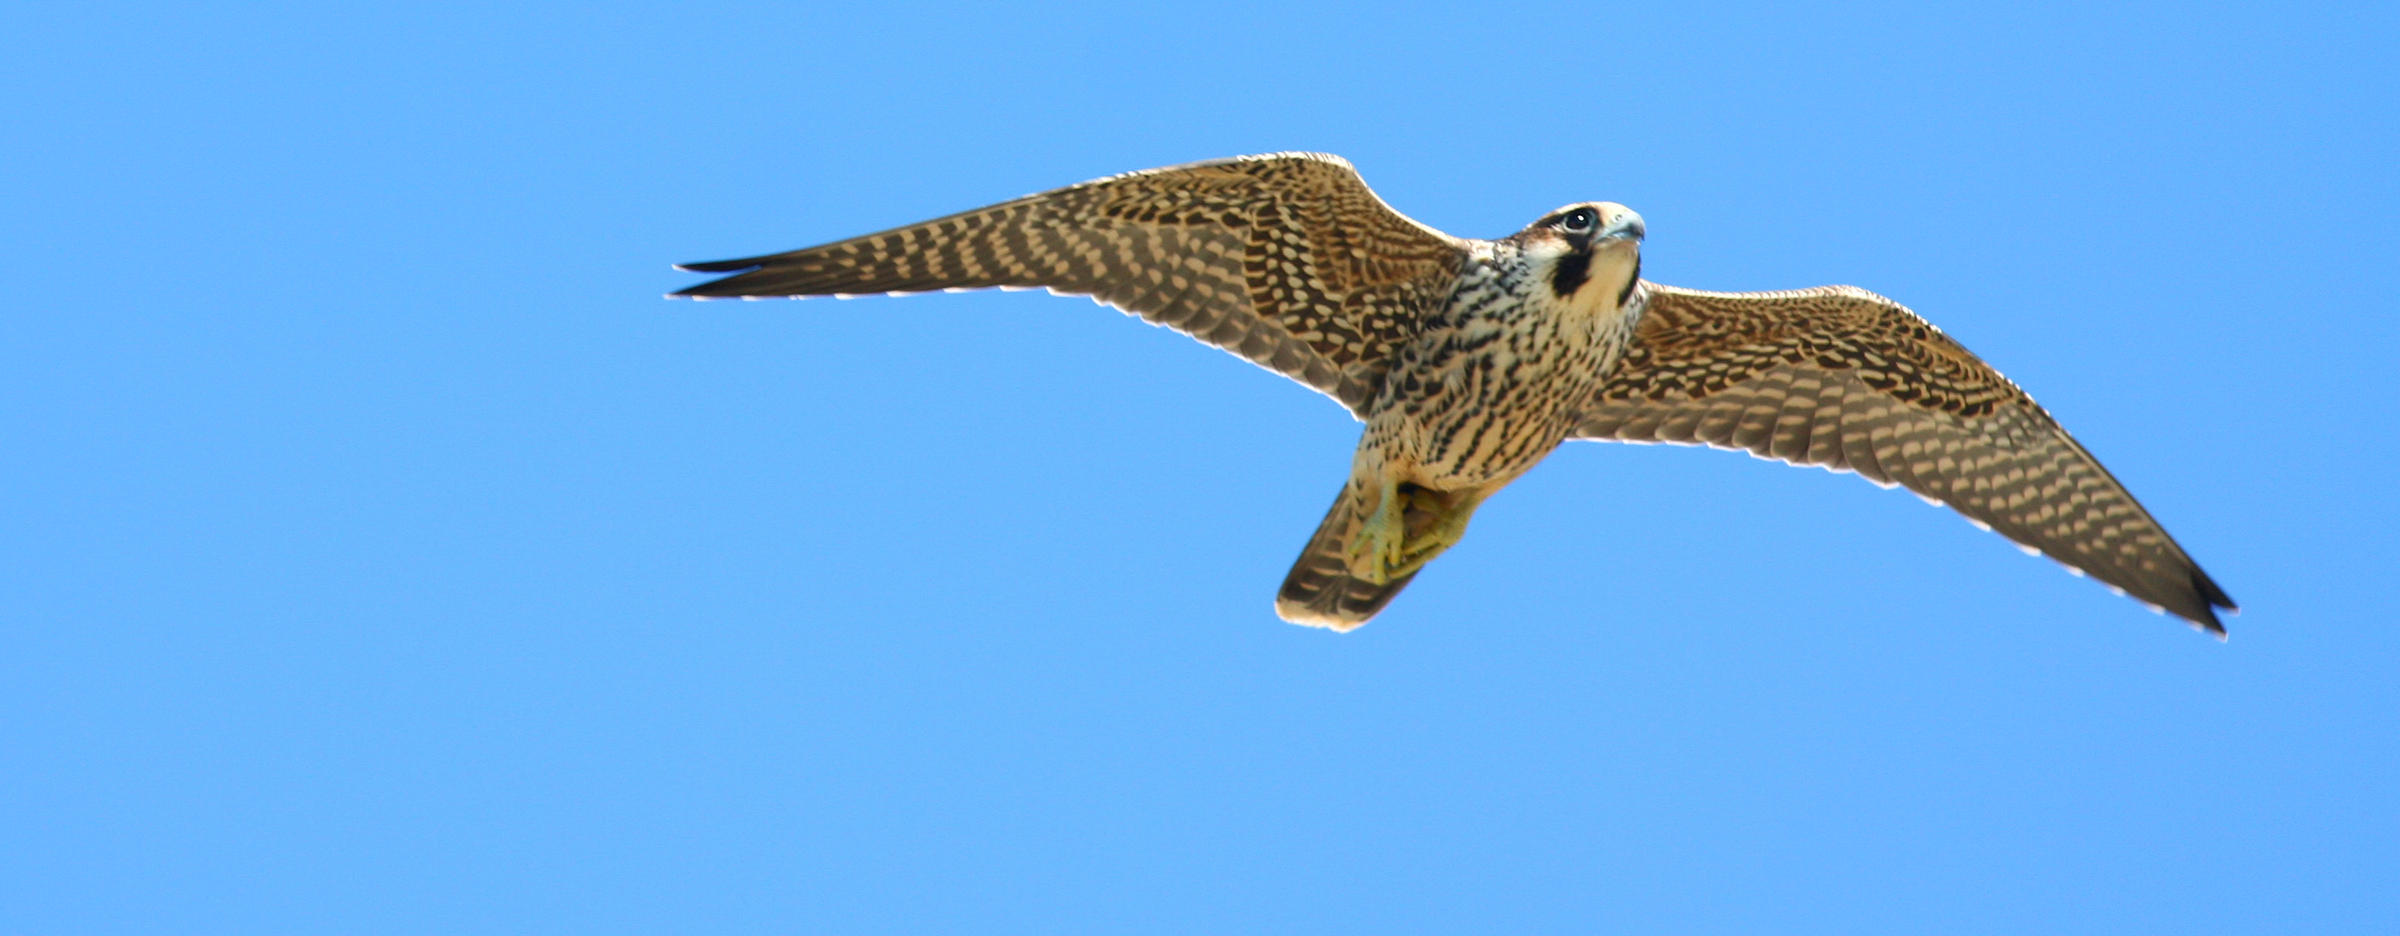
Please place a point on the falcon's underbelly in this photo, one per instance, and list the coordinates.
(1483, 397)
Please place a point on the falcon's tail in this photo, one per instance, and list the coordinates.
(1321, 591)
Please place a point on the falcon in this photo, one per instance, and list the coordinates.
(1469, 360)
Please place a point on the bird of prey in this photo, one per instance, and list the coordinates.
(1471, 360)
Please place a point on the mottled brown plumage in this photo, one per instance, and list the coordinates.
(1470, 360)
(1287, 260)
(1847, 379)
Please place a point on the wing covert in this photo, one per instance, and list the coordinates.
(1288, 260)
(1841, 377)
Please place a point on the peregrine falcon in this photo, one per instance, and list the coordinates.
(1470, 360)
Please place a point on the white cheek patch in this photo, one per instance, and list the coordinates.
(1544, 253)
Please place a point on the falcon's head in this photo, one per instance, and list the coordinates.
(1590, 254)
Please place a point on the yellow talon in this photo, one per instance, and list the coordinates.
(1409, 527)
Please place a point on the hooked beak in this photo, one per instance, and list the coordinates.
(1626, 225)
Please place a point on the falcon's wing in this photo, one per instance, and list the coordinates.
(1841, 377)
(1287, 260)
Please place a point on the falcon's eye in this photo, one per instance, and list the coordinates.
(1578, 221)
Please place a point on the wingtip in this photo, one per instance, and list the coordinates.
(2215, 594)
(744, 265)
(2216, 598)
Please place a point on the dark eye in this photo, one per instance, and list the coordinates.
(1578, 221)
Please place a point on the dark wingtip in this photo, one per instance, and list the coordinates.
(722, 266)
(2207, 587)
(2209, 591)
(717, 288)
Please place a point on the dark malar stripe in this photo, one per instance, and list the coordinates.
(1572, 271)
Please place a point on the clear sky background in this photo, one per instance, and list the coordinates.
(379, 553)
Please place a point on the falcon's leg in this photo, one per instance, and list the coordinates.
(1380, 542)
(1410, 525)
(1435, 521)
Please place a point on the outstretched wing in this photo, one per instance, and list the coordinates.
(1841, 377)
(1287, 260)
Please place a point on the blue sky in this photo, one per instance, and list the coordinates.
(384, 555)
